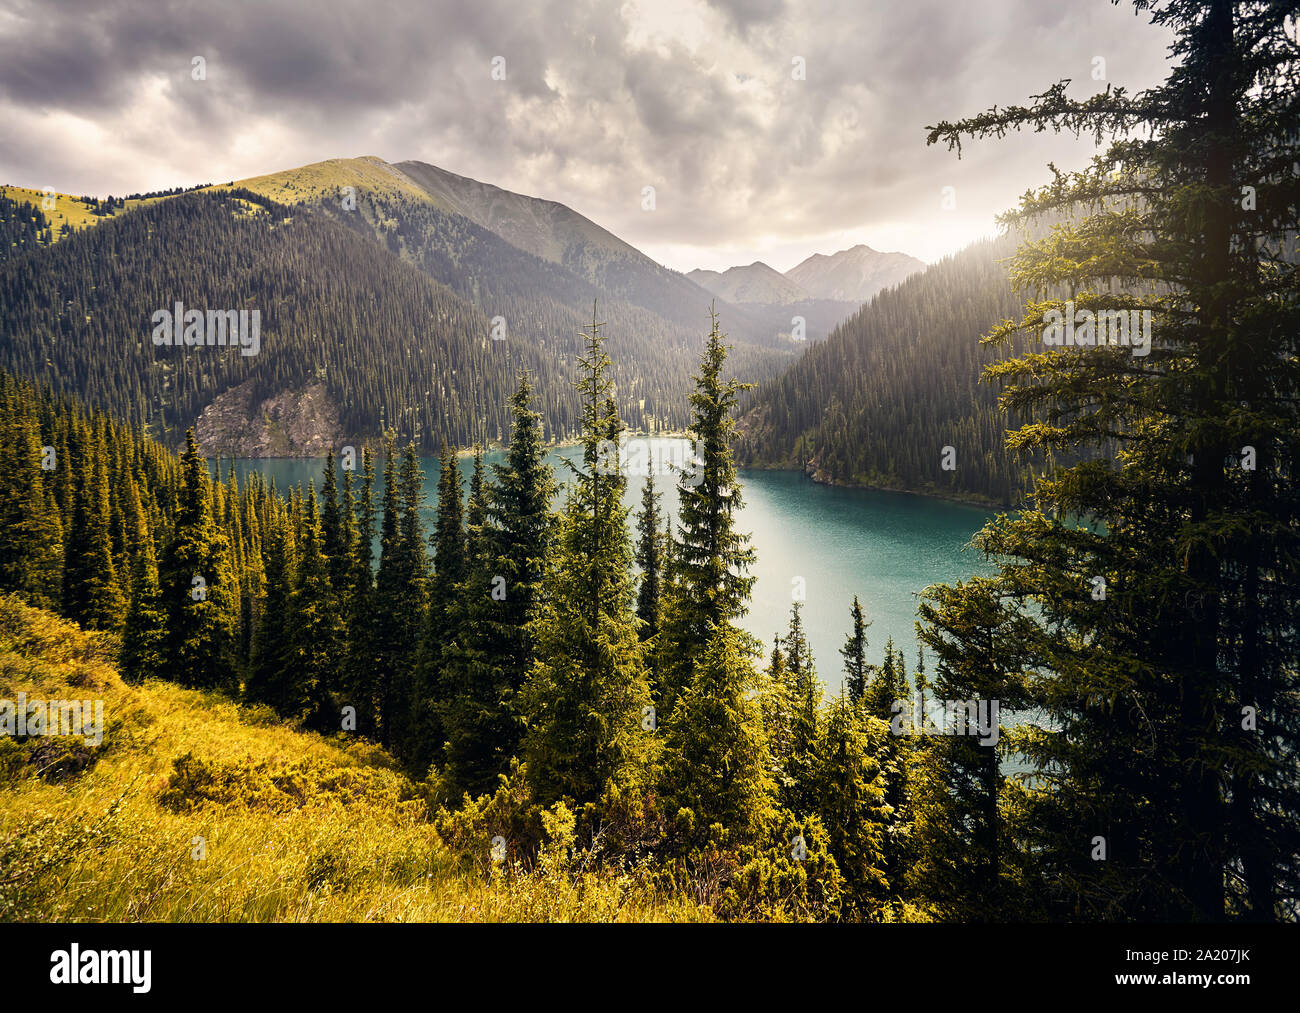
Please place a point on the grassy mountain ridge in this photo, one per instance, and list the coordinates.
(326, 180)
(68, 214)
(544, 228)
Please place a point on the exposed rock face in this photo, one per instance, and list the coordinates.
(303, 423)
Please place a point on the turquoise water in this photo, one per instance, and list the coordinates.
(882, 546)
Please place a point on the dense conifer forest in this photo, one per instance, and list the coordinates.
(422, 359)
(876, 403)
(77, 316)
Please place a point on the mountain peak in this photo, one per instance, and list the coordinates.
(853, 275)
(325, 179)
(753, 283)
(545, 228)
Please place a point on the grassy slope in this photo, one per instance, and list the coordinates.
(292, 186)
(325, 180)
(69, 209)
(297, 827)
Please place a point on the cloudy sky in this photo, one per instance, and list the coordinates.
(697, 98)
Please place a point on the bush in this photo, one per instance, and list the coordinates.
(509, 814)
(195, 782)
(770, 883)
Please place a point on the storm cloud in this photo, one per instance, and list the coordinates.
(701, 100)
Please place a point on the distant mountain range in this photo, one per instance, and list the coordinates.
(855, 274)
(756, 283)
(850, 276)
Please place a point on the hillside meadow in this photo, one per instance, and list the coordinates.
(196, 808)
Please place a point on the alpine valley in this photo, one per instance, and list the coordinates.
(403, 295)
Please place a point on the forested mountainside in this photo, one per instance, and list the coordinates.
(429, 368)
(415, 209)
(392, 346)
(879, 400)
(545, 306)
(22, 227)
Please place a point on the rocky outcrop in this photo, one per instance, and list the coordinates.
(302, 423)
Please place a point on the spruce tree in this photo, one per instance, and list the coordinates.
(394, 636)
(777, 706)
(475, 723)
(509, 529)
(316, 633)
(519, 528)
(361, 688)
(197, 585)
(649, 553)
(716, 766)
(271, 668)
(449, 559)
(854, 653)
(476, 511)
(711, 559)
(888, 688)
(803, 693)
(91, 592)
(334, 540)
(32, 563)
(962, 831)
(1163, 574)
(585, 696)
(407, 597)
(343, 571)
(847, 788)
(145, 630)
(448, 539)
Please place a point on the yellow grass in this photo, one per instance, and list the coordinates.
(67, 208)
(320, 180)
(299, 827)
(325, 180)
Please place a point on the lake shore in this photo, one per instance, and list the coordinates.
(820, 478)
(817, 477)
